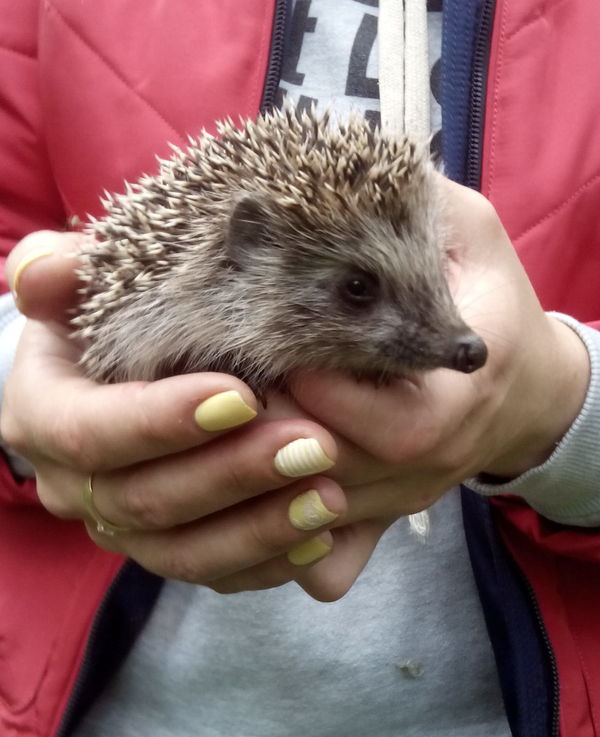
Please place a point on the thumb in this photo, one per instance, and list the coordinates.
(41, 272)
(333, 576)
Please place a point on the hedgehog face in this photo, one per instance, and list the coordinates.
(379, 305)
(360, 321)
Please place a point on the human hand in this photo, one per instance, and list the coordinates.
(436, 429)
(400, 447)
(201, 504)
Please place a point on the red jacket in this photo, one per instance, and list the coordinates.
(89, 96)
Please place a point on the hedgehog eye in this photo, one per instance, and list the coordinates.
(359, 289)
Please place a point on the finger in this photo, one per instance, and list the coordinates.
(41, 271)
(184, 487)
(277, 571)
(270, 575)
(232, 541)
(355, 465)
(397, 496)
(399, 423)
(64, 416)
(105, 426)
(327, 578)
(333, 576)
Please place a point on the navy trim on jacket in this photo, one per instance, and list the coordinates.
(523, 655)
(524, 658)
(120, 619)
(466, 31)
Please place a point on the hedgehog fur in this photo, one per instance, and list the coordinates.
(293, 241)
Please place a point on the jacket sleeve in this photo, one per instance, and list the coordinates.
(29, 199)
(566, 488)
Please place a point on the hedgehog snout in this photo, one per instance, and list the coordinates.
(468, 353)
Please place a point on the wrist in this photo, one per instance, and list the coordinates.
(546, 403)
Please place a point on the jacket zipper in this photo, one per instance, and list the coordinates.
(550, 652)
(273, 75)
(481, 57)
(87, 662)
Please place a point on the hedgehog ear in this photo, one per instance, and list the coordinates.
(248, 227)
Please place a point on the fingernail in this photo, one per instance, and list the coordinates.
(308, 552)
(24, 263)
(302, 457)
(307, 511)
(222, 411)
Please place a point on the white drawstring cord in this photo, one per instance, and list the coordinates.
(404, 67)
(390, 32)
(416, 70)
(404, 99)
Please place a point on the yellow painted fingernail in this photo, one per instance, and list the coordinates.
(308, 552)
(24, 263)
(302, 457)
(222, 411)
(307, 511)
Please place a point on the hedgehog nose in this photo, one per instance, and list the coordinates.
(470, 353)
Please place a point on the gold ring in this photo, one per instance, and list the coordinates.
(103, 526)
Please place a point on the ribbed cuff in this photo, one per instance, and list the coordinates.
(566, 488)
(11, 325)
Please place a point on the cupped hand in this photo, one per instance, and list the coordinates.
(199, 485)
(433, 430)
(401, 446)
(198, 505)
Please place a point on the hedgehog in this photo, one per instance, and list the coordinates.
(289, 242)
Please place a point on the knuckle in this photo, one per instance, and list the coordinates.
(143, 506)
(11, 433)
(59, 437)
(233, 483)
(234, 479)
(52, 502)
(78, 449)
(72, 440)
(178, 564)
(75, 449)
(263, 537)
